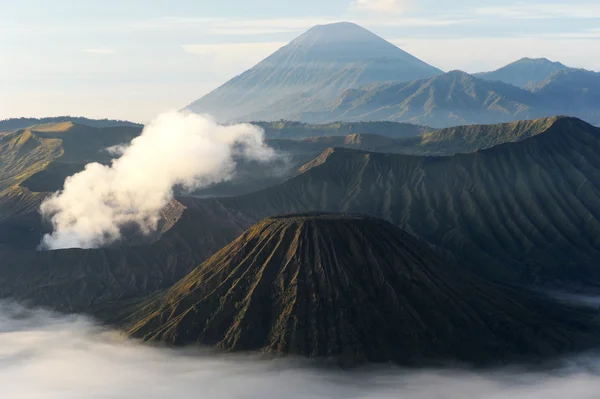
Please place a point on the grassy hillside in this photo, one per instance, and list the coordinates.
(23, 123)
(471, 138)
(298, 130)
(36, 161)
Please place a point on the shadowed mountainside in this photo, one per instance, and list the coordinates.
(460, 139)
(470, 138)
(575, 92)
(526, 212)
(358, 288)
(73, 280)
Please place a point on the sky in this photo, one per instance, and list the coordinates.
(132, 59)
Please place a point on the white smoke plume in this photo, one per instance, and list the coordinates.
(46, 356)
(176, 149)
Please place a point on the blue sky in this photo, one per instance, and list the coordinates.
(132, 59)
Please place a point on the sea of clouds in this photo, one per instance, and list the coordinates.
(44, 355)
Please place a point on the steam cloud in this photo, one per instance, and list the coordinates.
(176, 149)
(46, 356)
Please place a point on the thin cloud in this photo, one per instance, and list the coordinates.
(381, 6)
(585, 34)
(233, 26)
(541, 11)
(99, 51)
(414, 22)
(472, 54)
(257, 49)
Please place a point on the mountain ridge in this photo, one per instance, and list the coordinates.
(23, 122)
(525, 212)
(524, 72)
(450, 99)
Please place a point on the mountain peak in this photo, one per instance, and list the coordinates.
(525, 71)
(457, 74)
(310, 72)
(342, 27)
(540, 62)
(338, 32)
(339, 43)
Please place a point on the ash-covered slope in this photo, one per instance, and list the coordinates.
(73, 280)
(526, 212)
(309, 72)
(354, 287)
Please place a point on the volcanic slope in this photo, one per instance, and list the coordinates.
(526, 212)
(309, 72)
(73, 280)
(354, 287)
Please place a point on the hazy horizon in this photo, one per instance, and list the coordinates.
(47, 355)
(132, 60)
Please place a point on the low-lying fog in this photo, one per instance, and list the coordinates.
(43, 355)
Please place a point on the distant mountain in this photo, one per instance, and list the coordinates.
(309, 72)
(22, 123)
(454, 98)
(353, 288)
(527, 212)
(470, 138)
(574, 92)
(457, 98)
(283, 129)
(524, 72)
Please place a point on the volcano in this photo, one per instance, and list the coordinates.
(309, 72)
(354, 288)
